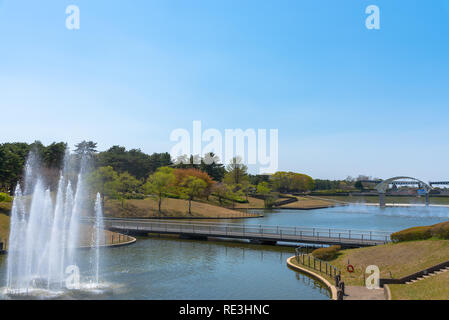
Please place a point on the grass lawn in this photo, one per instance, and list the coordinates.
(400, 259)
(433, 288)
(394, 260)
(170, 208)
(5, 207)
(4, 227)
(308, 203)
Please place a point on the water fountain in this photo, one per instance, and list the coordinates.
(46, 231)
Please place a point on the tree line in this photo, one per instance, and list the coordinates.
(118, 173)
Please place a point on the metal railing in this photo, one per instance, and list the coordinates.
(116, 238)
(316, 264)
(264, 231)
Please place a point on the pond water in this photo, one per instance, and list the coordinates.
(354, 217)
(170, 268)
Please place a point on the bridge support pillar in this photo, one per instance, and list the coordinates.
(382, 201)
(427, 199)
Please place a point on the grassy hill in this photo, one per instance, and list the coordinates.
(170, 208)
(308, 203)
(398, 260)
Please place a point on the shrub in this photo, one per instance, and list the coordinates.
(326, 254)
(411, 234)
(240, 200)
(134, 196)
(4, 197)
(440, 230)
(173, 195)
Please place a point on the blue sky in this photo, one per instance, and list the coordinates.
(346, 100)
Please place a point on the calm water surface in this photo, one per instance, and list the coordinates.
(355, 217)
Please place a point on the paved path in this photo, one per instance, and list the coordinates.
(362, 293)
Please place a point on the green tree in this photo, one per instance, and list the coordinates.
(212, 166)
(264, 190)
(88, 148)
(221, 191)
(246, 187)
(12, 161)
(105, 181)
(236, 172)
(192, 187)
(53, 155)
(134, 161)
(234, 193)
(126, 183)
(291, 182)
(160, 184)
(358, 185)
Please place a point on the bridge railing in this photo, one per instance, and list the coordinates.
(264, 231)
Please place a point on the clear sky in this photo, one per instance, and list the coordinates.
(346, 100)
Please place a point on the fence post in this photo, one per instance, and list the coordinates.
(339, 295)
(342, 287)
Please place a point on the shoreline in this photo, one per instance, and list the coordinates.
(332, 289)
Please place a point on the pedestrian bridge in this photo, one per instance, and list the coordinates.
(253, 232)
